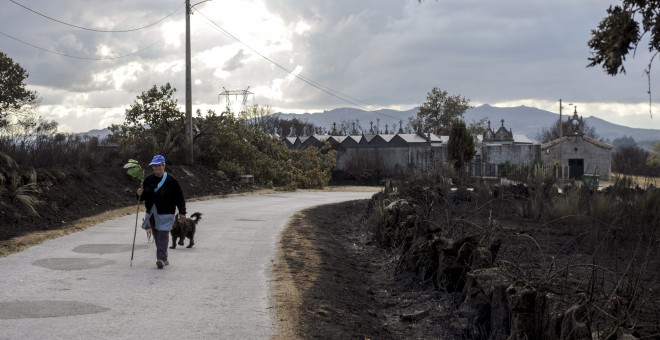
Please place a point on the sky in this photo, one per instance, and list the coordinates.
(298, 56)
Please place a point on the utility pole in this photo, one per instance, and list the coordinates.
(188, 121)
(561, 141)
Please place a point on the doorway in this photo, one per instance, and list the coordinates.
(575, 168)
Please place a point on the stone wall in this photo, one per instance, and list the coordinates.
(516, 154)
(390, 162)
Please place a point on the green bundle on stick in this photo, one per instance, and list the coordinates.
(135, 170)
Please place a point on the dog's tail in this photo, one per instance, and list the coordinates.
(196, 217)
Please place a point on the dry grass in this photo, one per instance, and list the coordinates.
(641, 181)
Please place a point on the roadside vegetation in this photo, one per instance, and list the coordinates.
(232, 144)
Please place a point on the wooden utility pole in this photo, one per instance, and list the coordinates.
(188, 122)
(561, 141)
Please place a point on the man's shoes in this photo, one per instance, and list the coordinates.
(167, 263)
(160, 263)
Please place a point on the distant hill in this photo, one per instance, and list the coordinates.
(524, 120)
(101, 134)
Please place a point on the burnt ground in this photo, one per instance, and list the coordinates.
(329, 279)
(331, 282)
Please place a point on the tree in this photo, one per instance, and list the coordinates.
(619, 33)
(287, 126)
(478, 127)
(30, 125)
(460, 147)
(262, 117)
(234, 149)
(14, 97)
(157, 109)
(259, 116)
(440, 112)
(630, 161)
(154, 124)
(653, 160)
(552, 133)
(624, 142)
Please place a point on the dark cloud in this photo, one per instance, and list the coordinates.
(371, 52)
(235, 62)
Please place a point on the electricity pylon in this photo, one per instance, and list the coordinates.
(245, 93)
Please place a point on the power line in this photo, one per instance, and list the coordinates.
(310, 82)
(79, 57)
(92, 29)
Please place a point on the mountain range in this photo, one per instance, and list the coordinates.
(523, 120)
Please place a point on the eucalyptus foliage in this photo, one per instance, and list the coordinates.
(235, 148)
(134, 169)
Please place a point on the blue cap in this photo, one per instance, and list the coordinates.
(158, 159)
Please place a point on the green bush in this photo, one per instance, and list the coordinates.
(238, 149)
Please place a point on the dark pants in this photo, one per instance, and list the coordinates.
(162, 241)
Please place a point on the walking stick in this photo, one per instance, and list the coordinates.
(135, 170)
(137, 213)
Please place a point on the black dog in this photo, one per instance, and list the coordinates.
(181, 230)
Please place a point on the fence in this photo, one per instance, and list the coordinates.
(481, 169)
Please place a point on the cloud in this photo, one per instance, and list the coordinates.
(235, 62)
(372, 53)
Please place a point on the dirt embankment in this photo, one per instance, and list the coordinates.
(331, 282)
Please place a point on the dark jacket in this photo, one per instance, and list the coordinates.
(167, 198)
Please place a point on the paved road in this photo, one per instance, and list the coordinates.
(81, 286)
